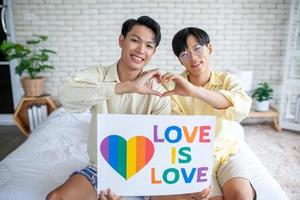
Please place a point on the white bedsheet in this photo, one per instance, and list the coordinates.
(58, 148)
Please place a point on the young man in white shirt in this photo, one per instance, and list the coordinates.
(121, 88)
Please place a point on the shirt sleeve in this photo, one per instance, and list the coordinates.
(85, 89)
(241, 102)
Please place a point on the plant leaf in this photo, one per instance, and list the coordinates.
(47, 51)
(42, 37)
(33, 41)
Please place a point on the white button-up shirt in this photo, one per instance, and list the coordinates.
(94, 89)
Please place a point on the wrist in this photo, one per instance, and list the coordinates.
(122, 87)
(194, 91)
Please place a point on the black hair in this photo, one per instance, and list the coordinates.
(180, 38)
(145, 21)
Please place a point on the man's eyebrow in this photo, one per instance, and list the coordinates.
(134, 35)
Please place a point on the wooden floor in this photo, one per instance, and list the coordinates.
(10, 138)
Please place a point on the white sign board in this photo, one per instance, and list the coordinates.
(141, 155)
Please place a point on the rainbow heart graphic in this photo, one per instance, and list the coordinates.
(127, 157)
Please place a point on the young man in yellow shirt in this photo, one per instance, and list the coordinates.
(201, 91)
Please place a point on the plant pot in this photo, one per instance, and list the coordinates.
(33, 87)
(262, 106)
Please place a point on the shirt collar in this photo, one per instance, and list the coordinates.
(215, 79)
(112, 74)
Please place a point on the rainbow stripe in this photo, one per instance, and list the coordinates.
(127, 158)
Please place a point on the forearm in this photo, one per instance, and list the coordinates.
(215, 99)
(124, 87)
(80, 96)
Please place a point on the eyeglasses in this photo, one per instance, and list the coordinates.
(198, 50)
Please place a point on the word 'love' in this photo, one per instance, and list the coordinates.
(174, 134)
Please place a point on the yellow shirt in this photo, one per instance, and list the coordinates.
(229, 132)
(93, 88)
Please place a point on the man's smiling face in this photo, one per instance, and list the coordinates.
(137, 47)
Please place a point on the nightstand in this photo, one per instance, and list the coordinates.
(21, 114)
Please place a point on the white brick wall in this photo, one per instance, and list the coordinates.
(246, 34)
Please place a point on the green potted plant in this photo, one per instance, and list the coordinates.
(31, 60)
(262, 94)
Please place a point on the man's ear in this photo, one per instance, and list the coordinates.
(121, 40)
(210, 48)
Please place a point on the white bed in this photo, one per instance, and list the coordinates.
(58, 147)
